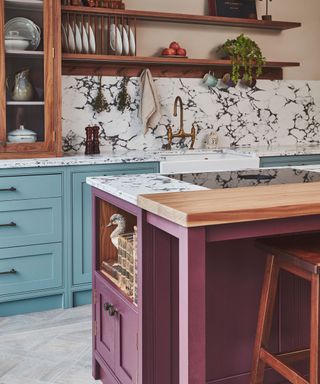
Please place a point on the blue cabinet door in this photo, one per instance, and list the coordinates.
(27, 222)
(81, 215)
(25, 270)
(284, 161)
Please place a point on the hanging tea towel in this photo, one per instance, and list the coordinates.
(150, 110)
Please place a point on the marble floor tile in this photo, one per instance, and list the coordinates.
(50, 347)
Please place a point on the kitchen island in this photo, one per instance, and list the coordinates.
(199, 275)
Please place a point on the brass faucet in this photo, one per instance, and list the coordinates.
(181, 133)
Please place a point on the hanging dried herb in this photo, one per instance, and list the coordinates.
(124, 99)
(99, 103)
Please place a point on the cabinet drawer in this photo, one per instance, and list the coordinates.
(30, 222)
(27, 269)
(30, 187)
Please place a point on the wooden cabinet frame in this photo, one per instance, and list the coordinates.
(51, 146)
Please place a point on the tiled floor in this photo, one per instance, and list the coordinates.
(51, 347)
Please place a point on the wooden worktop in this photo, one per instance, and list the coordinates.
(214, 207)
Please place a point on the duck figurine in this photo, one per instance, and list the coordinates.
(120, 222)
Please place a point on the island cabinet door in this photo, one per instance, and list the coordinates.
(105, 338)
(126, 346)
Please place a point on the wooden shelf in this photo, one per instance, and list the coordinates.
(185, 18)
(107, 65)
(34, 54)
(25, 103)
(24, 4)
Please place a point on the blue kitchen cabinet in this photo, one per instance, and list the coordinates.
(46, 255)
(81, 246)
(284, 161)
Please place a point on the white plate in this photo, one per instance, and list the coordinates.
(64, 39)
(125, 40)
(92, 40)
(132, 41)
(85, 40)
(71, 41)
(115, 39)
(77, 34)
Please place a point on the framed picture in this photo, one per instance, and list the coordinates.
(241, 9)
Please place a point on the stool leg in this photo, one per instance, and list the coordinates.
(268, 296)
(314, 337)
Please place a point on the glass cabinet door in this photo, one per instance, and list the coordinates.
(27, 78)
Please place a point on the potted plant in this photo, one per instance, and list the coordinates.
(246, 58)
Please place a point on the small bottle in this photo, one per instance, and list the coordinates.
(96, 143)
(89, 141)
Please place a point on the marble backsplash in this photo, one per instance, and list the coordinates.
(273, 113)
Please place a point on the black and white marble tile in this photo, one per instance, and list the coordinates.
(274, 113)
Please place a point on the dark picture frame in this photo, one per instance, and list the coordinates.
(240, 9)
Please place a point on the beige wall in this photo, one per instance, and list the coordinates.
(302, 44)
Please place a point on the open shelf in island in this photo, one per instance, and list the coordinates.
(118, 265)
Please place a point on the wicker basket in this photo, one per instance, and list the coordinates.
(127, 264)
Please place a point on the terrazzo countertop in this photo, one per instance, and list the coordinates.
(129, 187)
(119, 157)
(148, 156)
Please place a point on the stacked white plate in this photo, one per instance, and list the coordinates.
(80, 38)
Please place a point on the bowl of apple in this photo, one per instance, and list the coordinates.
(174, 50)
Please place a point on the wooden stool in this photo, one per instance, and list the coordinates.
(299, 255)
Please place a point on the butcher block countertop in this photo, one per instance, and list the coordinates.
(214, 207)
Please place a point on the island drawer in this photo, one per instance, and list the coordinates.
(30, 187)
(30, 222)
(27, 269)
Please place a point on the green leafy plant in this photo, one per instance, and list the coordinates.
(99, 103)
(246, 57)
(124, 99)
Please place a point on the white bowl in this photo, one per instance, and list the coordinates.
(16, 44)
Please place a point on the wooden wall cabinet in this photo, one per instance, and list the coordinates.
(41, 114)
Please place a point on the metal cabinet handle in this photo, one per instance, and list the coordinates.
(11, 189)
(112, 311)
(12, 224)
(11, 272)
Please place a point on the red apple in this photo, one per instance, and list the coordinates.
(165, 52)
(172, 51)
(181, 52)
(174, 45)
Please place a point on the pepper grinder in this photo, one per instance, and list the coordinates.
(89, 141)
(96, 143)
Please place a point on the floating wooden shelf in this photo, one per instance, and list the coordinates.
(107, 65)
(184, 18)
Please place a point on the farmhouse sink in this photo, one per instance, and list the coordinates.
(206, 162)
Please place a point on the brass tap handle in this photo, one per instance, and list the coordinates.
(170, 136)
(193, 136)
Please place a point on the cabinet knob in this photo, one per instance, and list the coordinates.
(110, 308)
(112, 311)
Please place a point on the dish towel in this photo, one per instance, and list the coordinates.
(150, 109)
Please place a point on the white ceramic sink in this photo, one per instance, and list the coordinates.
(206, 162)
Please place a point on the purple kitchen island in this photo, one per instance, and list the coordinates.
(176, 293)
